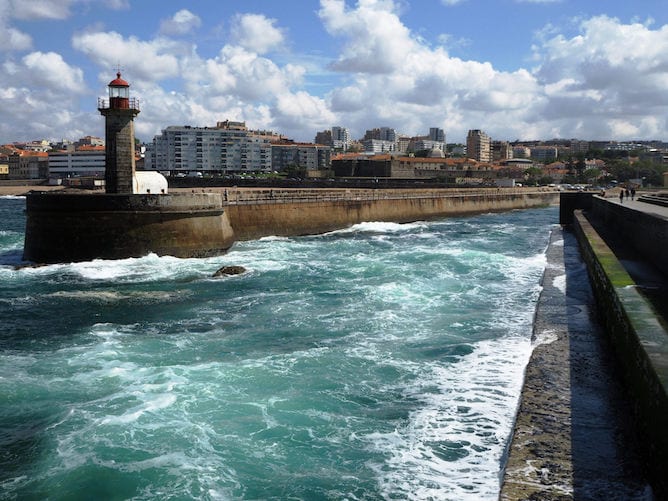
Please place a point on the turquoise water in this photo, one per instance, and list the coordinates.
(383, 361)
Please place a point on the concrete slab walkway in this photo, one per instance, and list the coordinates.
(573, 438)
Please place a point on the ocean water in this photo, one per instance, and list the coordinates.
(383, 361)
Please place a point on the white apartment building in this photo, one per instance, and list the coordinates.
(479, 146)
(64, 164)
(428, 144)
(184, 149)
(378, 146)
(340, 138)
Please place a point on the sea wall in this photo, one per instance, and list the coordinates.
(303, 212)
(646, 232)
(66, 227)
(638, 337)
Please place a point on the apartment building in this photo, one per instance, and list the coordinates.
(381, 134)
(302, 155)
(221, 149)
(340, 138)
(28, 165)
(544, 153)
(479, 146)
(436, 134)
(87, 161)
(324, 137)
(378, 146)
(501, 150)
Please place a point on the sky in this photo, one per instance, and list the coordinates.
(517, 69)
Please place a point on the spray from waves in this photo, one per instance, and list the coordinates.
(150, 268)
(453, 443)
(378, 228)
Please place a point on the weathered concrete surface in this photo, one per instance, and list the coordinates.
(294, 213)
(638, 334)
(644, 226)
(572, 437)
(64, 227)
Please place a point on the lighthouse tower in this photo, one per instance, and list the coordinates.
(119, 112)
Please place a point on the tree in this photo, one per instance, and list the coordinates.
(295, 171)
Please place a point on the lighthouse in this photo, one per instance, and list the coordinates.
(119, 112)
(136, 216)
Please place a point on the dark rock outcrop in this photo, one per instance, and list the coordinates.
(229, 270)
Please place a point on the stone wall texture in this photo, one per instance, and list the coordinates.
(638, 336)
(64, 227)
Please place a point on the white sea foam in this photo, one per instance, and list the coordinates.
(453, 443)
(150, 404)
(378, 227)
(560, 283)
(149, 268)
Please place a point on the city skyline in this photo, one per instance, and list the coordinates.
(551, 69)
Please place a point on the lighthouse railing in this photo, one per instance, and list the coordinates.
(131, 103)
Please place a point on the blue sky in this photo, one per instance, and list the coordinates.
(517, 69)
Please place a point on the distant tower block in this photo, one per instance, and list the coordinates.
(119, 113)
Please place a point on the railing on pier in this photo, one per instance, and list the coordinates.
(235, 196)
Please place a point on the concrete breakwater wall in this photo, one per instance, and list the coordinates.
(64, 227)
(258, 213)
(646, 232)
(640, 342)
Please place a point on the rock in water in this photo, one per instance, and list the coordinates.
(230, 270)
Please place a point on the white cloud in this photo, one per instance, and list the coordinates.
(154, 60)
(181, 23)
(50, 71)
(40, 9)
(257, 33)
(607, 80)
(377, 41)
(611, 73)
(11, 39)
(401, 82)
(40, 98)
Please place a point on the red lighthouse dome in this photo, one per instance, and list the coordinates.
(118, 81)
(119, 93)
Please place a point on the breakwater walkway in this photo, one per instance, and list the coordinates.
(591, 419)
(573, 437)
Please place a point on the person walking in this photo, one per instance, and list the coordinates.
(633, 193)
(621, 196)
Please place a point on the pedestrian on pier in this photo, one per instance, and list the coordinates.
(633, 193)
(621, 196)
